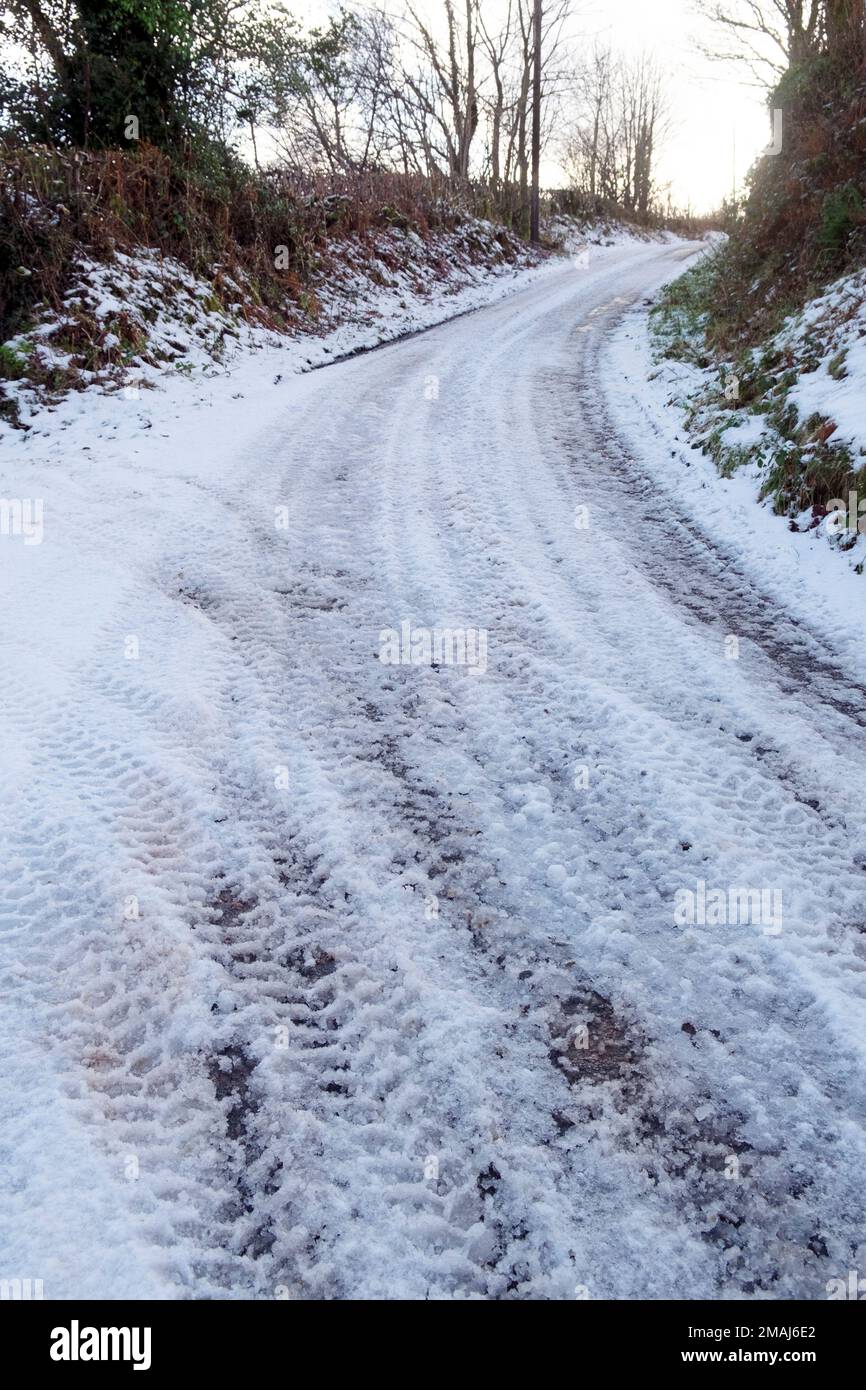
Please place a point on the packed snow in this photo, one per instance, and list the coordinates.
(329, 973)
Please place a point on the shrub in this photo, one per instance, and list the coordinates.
(212, 213)
(841, 213)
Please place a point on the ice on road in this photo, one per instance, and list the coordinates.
(338, 977)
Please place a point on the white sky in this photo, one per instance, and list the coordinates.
(714, 105)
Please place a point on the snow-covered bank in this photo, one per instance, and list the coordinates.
(787, 417)
(799, 567)
(142, 323)
(131, 323)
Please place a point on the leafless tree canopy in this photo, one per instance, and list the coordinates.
(767, 36)
(447, 94)
(623, 118)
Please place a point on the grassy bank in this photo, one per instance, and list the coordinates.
(766, 324)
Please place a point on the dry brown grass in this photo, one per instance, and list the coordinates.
(223, 218)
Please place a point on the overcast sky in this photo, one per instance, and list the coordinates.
(714, 106)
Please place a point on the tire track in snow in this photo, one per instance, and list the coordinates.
(771, 1272)
(421, 810)
(337, 1088)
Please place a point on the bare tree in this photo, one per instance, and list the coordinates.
(518, 98)
(622, 120)
(764, 35)
(329, 97)
(498, 47)
(588, 147)
(645, 123)
(447, 94)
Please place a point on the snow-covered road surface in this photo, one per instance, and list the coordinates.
(327, 977)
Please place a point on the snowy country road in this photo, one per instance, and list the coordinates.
(330, 977)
